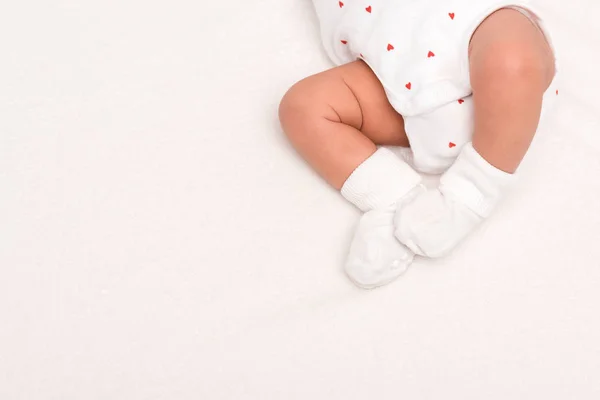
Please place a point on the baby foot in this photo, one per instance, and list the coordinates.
(376, 257)
(435, 222)
(432, 225)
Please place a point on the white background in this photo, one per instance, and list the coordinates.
(159, 238)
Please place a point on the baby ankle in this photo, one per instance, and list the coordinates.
(475, 182)
(380, 181)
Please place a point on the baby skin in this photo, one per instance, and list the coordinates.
(337, 119)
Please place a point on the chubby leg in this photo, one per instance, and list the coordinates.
(511, 66)
(335, 120)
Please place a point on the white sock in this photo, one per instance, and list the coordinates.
(376, 257)
(434, 222)
(379, 181)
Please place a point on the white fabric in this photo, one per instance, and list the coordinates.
(379, 181)
(418, 50)
(375, 257)
(433, 223)
(160, 239)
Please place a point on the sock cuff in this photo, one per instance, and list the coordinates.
(380, 181)
(475, 182)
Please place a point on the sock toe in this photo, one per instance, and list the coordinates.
(376, 258)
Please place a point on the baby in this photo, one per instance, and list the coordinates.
(460, 84)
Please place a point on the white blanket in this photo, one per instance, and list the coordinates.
(160, 239)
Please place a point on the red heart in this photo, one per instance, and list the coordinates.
(461, 101)
(341, 4)
(409, 85)
(369, 9)
(557, 92)
(390, 47)
(430, 54)
(344, 41)
(451, 15)
(451, 145)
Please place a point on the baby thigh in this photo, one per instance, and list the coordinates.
(436, 138)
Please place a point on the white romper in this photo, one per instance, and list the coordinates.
(419, 51)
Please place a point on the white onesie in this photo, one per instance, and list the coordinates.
(419, 51)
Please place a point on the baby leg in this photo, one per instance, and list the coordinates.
(335, 120)
(511, 66)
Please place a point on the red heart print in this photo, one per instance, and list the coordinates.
(430, 54)
(451, 145)
(461, 101)
(344, 41)
(409, 85)
(557, 92)
(390, 47)
(369, 9)
(341, 4)
(451, 15)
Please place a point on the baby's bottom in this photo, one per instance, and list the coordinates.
(336, 118)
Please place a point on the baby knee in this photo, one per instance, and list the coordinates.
(298, 101)
(527, 62)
